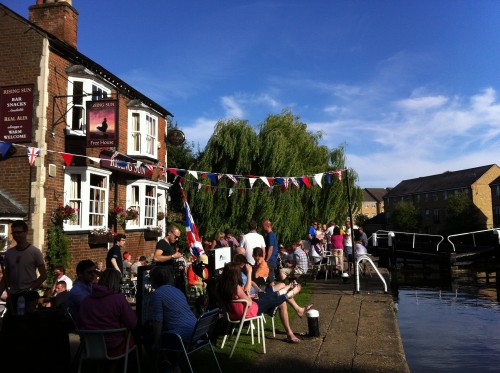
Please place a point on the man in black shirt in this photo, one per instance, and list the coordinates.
(114, 258)
(166, 252)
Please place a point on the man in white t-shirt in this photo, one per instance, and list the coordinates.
(251, 240)
(60, 275)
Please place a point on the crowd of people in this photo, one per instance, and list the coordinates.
(261, 271)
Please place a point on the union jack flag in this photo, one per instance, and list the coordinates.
(32, 154)
(192, 236)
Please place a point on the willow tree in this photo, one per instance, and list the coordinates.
(282, 148)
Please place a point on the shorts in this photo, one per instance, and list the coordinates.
(268, 301)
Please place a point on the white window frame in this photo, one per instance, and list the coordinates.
(161, 203)
(84, 213)
(142, 133)
(146, 204)
(94, 90)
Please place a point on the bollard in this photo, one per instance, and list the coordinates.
(313, 322)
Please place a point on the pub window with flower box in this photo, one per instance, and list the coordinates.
(87, 191)
(141, 195)
(143, 131)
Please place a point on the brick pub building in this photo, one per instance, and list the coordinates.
(99, 141)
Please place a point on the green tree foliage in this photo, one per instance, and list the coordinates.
(282, 147)
(462, 215)
(361, 219)
(57, 249)
(405, 217)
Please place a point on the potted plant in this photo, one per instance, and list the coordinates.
(100, 235)
(160, 216)
(151, 233)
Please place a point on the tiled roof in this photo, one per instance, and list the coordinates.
(374, 194)
(8, 209)
(446, 181)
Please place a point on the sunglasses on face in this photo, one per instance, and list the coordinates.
(175, 236)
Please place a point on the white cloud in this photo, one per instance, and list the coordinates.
(200, 131)
(232, 107)
(422, 103)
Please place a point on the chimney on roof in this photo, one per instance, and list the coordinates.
(57, 17)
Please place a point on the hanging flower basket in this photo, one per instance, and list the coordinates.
(118, 215)
(160, 216)
(152, 233)
(132, 213)
(64, 213)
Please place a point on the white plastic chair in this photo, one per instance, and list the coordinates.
(272, 320)
(94, 347)
(233, 323)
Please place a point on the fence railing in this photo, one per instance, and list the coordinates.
(416, 239)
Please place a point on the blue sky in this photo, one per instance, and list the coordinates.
(409, 87)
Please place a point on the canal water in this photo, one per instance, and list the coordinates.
(449, 322)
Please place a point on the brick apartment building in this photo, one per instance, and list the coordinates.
(99, 140)
(430, 193)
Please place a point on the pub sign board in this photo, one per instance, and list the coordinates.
(16, 113)
(137, 169)
(102, 117)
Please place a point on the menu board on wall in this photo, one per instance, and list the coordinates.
(16, 113)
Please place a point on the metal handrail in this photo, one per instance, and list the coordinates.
(388, 233)
(494, 230)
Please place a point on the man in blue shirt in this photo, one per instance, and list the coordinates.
(271, 255)
(82, 288)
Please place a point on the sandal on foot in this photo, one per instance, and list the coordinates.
(306, 308)
(292, 340)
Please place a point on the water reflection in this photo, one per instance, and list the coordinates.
(449, 321)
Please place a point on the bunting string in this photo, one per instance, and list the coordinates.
(216, 181)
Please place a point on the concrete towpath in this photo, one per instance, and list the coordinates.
(358, 333)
